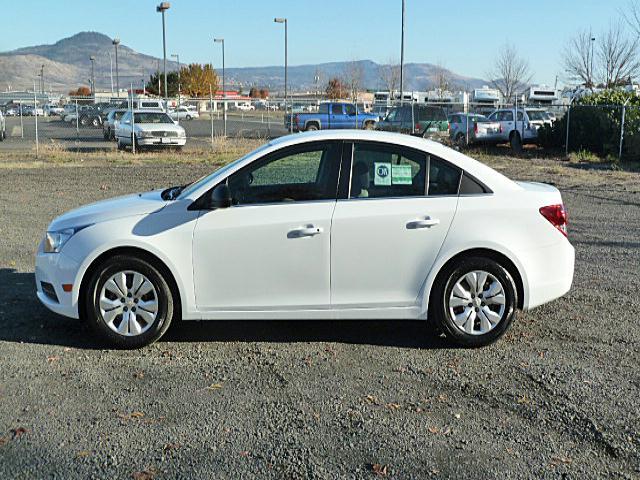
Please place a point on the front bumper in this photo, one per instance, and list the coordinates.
(162, 141)
(56, 269)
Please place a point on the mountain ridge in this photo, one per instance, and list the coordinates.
(67, 65)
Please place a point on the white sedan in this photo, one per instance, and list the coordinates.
(148, 129)
(323, 225)
(184, 113)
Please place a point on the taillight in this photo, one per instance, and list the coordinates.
(475, 127)
(557, 216)
(417, 128)
(296, 119)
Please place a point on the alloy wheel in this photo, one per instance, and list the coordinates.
(128, 303)
(477, 302)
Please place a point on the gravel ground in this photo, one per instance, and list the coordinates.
(558, 396)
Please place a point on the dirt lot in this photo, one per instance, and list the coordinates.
(557, 397)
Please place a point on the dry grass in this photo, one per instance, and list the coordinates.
(54, 154)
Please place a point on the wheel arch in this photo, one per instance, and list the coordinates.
(500, 257)
(313, 121)
(139, 253)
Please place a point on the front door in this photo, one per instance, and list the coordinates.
(271, 249)
(387, 234)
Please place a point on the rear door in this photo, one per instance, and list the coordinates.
(337, 116)
(389, 225)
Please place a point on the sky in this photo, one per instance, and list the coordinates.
(463, 36)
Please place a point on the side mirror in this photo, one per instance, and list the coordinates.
(220, 197)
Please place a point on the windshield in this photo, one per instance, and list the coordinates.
(152, 117)
(535, 114)
(205, 179)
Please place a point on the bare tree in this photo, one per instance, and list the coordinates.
(390, 75)
(509, 72)
(442, 78)
(617, 56)
(578, 59)
(353, 78)
(631, 15)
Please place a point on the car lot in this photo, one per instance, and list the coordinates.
(54, 130)
(556, 397)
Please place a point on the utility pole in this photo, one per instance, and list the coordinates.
(286, 81)
(116, 42)
(93, 78)
(177, 57)
(163, 7)
(224, 87)
(402, 56)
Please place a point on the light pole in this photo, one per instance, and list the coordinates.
(284, 20)
(402, 56)
(224, 86)
(93, 78)
(163, 7)
(177, 57)
(42, 79)
(111, 71)
(593, 41)
(116, 42)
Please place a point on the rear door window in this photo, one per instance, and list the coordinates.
(336, 109)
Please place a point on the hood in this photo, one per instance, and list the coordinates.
(129, 205)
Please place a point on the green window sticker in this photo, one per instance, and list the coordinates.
(382, 173)
(401, 175)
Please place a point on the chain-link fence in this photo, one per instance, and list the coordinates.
(81, 124)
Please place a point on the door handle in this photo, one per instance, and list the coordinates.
(307, 231)
(426, 222)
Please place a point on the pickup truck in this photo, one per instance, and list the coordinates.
(331, 115)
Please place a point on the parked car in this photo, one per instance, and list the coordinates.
(91, 116)
(334, 224)
(53, 110)
(524, 130)
(30, 111)
(184, 112)
(3, 127)
(428, 121)
(110, 123)
(245, 107)
(12, 112)
(479, 129)
(151, 128)
(331, 115)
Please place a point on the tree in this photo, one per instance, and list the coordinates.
(631, 15)
(617, 56)
(172, 84)
(509, 72)
(197, 79)
(442, 78)
(335, 89)
(80, 92)
(254, 92)
(264, 93)
(578, 60)
(390, 75)
(353, 79)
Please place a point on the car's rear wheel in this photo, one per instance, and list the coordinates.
(369, 126)
(311, 127)
(461, 140)
(188, 117)
(474, 301)
(128, 304)
(95, 122)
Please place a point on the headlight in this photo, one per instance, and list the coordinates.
(182, 133)
(54, 241)
(144, 134)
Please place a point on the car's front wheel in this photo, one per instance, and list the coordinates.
(474, 301)
(128, 303)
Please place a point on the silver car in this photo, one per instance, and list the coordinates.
(148, 129)
(110, 123)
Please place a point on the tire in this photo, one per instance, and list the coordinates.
(312, 127)
(2, 136)
(119, 145)
(463, 315)
(516, 142)
(84, 121)
(188, 117)
(368, 126)
(461, 140)
(119, 321)
(95, 122)
(105, 134)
